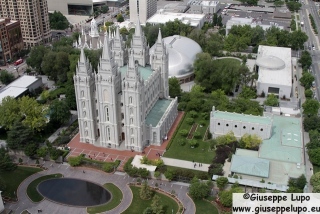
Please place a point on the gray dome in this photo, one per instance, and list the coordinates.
(271, 62)
(182, 53)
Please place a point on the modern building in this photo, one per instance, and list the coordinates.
(126, 104)
(274, 67)
(253, 22)
(162, 17)
(34, 19)
(21, 86)
(176, 7)
(222, 123)
(204, 7)
(142, 10)
(182, 54)
(279, 158)
(11, 42)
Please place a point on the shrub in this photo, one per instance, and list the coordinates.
(202, 122)
(157, 174)
(193, 143)
(193, 114)
(197, 135)
(235, 176)
(215, 169)
(169, 175)
(184, 132)
(190, 121)
(262, 181)
(182, 142)
(75, 161)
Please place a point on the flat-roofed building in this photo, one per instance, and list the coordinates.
(34, 19)
(11, 42)
(274, 67)
(162, 17)
(21, 86)
(253, 22)
(205, 7)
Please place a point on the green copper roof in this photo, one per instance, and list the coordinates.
(242, 117)
(157, 112)
(145, 72)
(250, 166)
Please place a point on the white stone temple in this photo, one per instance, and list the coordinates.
(125, 104)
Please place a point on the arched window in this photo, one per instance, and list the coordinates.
(84, 113)
(83, 104)
(85, 124)
(131, 111)
(82, 93)
(130, 100)
(105, 95)
(131, 131)
(107, 113)
(86, 133)
(132, 140)
(108, 133)
(131, 120)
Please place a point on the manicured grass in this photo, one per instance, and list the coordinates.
(32, 191)
(201, 154)
(14, 178)
(138, 205)
(204, 207)
(115, 201)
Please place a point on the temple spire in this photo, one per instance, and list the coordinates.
(159, 36)
(106, 47)
(138, 30)
(82, 57)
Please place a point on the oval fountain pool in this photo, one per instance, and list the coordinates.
(74, 192)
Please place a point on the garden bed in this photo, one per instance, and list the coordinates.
(192, 130)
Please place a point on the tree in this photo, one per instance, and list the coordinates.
(222, 182)
(19, 136)
(226, 139)
(59, 112)
(9, 112)
(315, 179)
(58, 21)
(75, 161)
(120, 18)
(301, 182)
(298, 38)
(6, 77)
(198, 190)
(271, 100)
(34, 115)
(305, 60)
(6, 163)
(174, 87)
(3, 185)
(314, 156)
(104, 9)
(248, 93)
(310, 107)
(42, 152)
(36, 56)
(31, 149)
(225, 197)
(214, 19)
(156, 206)
(306, 80)
(278, 3)
(308, 93)
(316, 189)
(145, 192)
(248, 141)
(310, 123)
(56, 65)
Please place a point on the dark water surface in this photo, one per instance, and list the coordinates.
(74, 192)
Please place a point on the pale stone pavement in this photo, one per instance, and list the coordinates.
(185, 164)
(119, 179)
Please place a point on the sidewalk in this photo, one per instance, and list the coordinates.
(185, 164)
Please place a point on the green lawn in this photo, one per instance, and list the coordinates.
(201, 154)
(138, 205)
(115, 201)
(204, 207)
(14, 178)
(32, 191)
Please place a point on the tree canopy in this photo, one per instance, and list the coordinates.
(272, 100)
(58, 21)
(198, 189)
(306, 79)
(248, 141)
(305, 60)
(6, 77)
(311, 107)
(6, 163)
(174, 87)
(59, 112)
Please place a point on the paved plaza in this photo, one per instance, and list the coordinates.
(119, 179)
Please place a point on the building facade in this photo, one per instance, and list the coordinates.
(34, 19)
(223, 122)
(11, 42)
(126, 104)
(142, 10)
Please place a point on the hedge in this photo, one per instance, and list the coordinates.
(176, 131)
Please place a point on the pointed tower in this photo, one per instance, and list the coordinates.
(85, 97)
(120, 53)
(140, 46)
(133, 91)
(159, 62)
(108, 84)
(94, 29)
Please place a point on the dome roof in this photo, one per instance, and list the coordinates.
(271, 62)
(182, 53)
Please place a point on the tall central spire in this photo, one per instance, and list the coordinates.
(138, 30)
(106, 54)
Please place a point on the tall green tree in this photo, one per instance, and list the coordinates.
(272, 100)
(6, 163)
(145, 192)
(306, 79)
(248, 141)
(31, 149)
(58, 21)
(120, 18)
(222, 182)
(59, 112)
(174, 87)
(36, 56)
(311, 107)
(19, 136)
(298, 38)
(156, 205)
(198, 189)
(226, 196)
(6, 77)
(9, 112)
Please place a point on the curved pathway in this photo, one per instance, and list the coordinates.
(119, 179)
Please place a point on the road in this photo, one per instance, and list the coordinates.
(15, 70)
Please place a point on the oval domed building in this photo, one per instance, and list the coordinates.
(182, 53)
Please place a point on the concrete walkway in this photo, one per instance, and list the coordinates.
(119, 179)
(185, 164)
